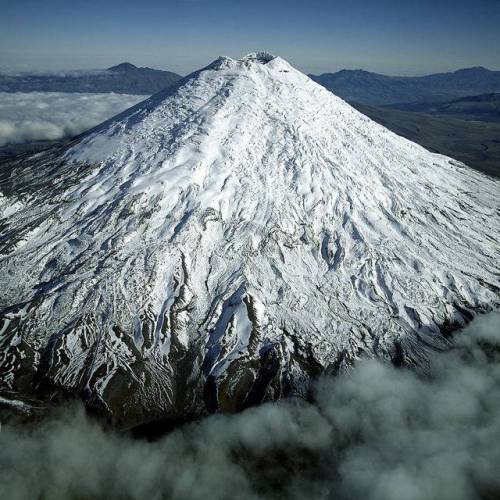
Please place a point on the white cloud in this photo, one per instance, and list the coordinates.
(38, 116)
(377, 433)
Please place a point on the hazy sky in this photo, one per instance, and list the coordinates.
(391, 36)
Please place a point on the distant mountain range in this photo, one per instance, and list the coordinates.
(375, 89)
(124, 78)
(484, 107)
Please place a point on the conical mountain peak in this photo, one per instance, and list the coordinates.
(226, 240)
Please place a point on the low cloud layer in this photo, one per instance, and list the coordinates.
(378, 433)
(37, 116)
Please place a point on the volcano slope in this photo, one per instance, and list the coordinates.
(228, 240)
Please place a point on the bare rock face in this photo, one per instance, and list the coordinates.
(226, 241)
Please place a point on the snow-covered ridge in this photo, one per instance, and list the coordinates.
(228, 239)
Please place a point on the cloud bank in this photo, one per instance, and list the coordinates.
(37, 116)
(378, 433)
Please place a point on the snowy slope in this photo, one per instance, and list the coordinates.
(228, 239)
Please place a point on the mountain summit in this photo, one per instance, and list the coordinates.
(229, 239)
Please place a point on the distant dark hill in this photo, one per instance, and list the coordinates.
(124, 78)
(474, 143)
(375, 89)
(484, 107)
(127, 67)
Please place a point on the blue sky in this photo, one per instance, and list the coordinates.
(388, 36)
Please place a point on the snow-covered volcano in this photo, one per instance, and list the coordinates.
(227, 240)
